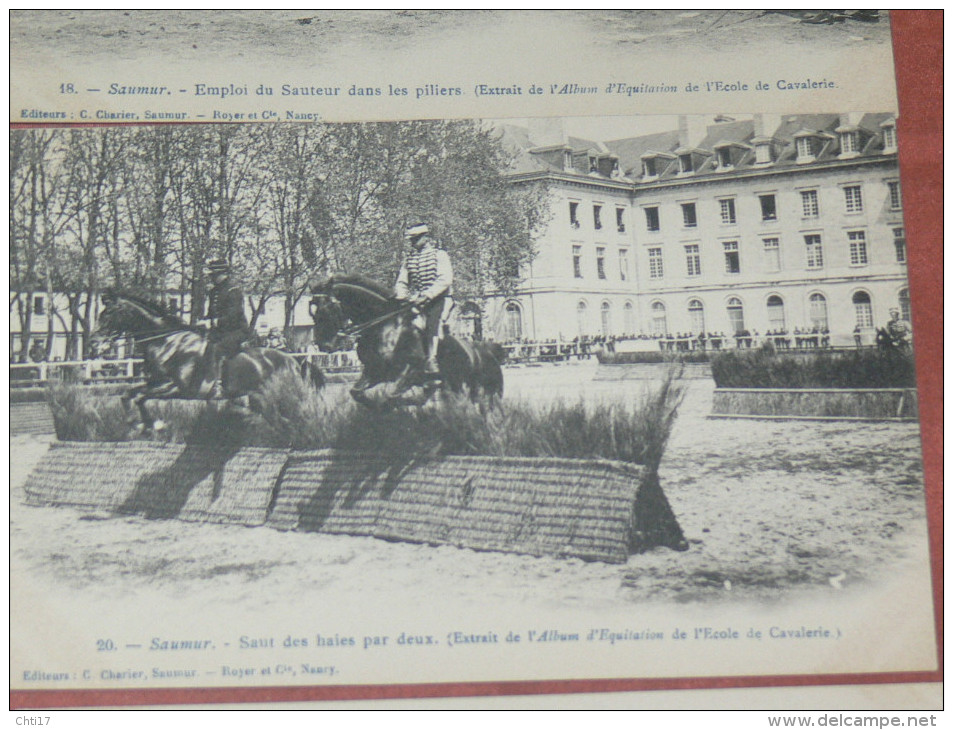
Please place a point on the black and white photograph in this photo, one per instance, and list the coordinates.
(457, 401)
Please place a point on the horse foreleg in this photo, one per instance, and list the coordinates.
(127, 399)
(165, 390)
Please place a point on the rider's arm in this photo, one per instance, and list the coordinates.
(441, 284)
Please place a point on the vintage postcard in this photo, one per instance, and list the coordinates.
(363, 355)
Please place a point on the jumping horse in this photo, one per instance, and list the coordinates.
(391, 347)
(177, 362)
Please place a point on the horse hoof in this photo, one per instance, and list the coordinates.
(159, 426)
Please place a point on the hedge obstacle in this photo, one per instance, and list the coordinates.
(588, 509)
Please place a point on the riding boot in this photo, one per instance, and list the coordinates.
(431, 368)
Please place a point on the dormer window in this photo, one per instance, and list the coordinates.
(890, 138)
(806, 148)
(724, 157)
(762, 152)
(685, 163)
(649, 167)
(567, 160)
(850, 142)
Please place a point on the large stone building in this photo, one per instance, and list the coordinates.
(765, 224)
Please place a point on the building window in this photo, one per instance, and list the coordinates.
(624, 264)
(815, 251)
(809, 205)
(858, 248)
(890, 137)
(577, 261)
(689, 219)
(514, 321)
(628, 318)
(597, 217)
(853, 200)
(724, 157)
(863, 310)
(818, 311)
(900, 244)
(772, 254)
(727, 210)
(762, 153)
(606, 314)
(696, 316)
(601, 263)
(648, 167)
(693, 260)
(769, 209)
(574, 215)
(850, 143)
(659, 322)
(655, 263)
(620, 219)
(893, 187)
(805, 149)
(582, 319)
(736, 315)
(174, 304)
(652, 219)
(903, 299)
(685, 163)
(732, 259)
(39, 305)
(776, 313)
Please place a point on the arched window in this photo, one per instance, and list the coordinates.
(863, 309)
(582, 319)
(818, 311)
(775, 313)
(514, 321)
(904, 301)
(696, 315)
(736, 315)
(659, 322)
(606, 313)
(628, 318)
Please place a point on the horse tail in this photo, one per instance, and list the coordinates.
(312, 374)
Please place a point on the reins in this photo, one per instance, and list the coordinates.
(356, 329)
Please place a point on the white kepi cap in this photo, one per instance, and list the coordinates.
(418, 229)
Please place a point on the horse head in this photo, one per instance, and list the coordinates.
(128, 314)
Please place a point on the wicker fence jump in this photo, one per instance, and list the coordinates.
(588, 509)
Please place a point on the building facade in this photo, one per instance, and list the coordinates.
(765, 225)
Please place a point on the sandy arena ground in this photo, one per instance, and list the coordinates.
(772, 510)
(329, 35)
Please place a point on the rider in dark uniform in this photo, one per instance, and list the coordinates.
(425, 279)
(226, 310)
(899, 329)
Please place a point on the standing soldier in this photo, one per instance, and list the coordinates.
(425, 279)
(226, 311)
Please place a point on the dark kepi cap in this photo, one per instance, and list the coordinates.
(218, 266)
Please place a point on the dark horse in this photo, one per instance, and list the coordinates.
(175, 358)
(887, 342)
(391, 348)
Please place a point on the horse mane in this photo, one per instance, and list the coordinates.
(156, 308)
(361, 285)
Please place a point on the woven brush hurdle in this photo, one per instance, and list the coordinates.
(588, 509)
(160, 481)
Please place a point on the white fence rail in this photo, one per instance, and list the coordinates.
(128, 369)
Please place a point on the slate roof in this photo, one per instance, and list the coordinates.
(738, 135)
